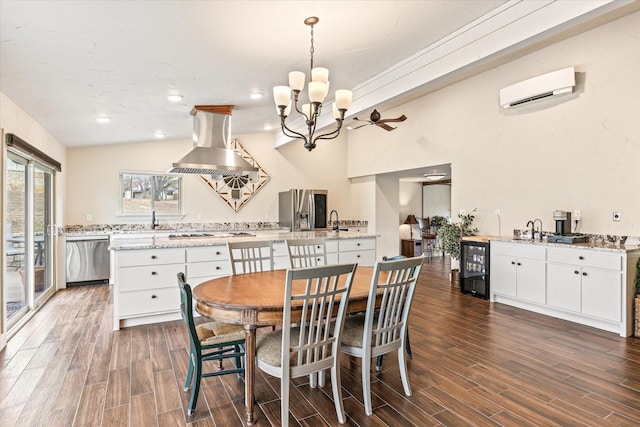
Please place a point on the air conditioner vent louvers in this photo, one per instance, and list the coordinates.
(540, 87)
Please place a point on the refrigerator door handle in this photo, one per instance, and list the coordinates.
(312, 212)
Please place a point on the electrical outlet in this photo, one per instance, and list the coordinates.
(497, 212)
(89, 218)
(199, 217)
(463, 212)
(617, 216)
(577, 215)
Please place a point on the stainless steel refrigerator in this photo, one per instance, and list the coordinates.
(302, 210)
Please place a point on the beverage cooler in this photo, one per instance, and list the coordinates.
(474, 268)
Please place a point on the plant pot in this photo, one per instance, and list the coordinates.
(454, 277)
(38, 280)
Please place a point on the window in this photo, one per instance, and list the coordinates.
(143, 192)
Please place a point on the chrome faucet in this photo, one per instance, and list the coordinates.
(540, 232)
(336, 227)
(154, 221)
(532, 228)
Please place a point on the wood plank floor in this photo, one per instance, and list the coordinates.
(474, 363)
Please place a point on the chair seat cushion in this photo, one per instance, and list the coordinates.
(217, 332)
(353, 330)
(269, 347)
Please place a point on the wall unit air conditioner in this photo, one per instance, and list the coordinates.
(544, 86)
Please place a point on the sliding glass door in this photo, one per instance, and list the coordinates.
(29, 244)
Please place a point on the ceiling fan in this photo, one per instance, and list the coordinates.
(374, 119)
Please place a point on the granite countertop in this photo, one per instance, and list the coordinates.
(162, 240)
(597, 245)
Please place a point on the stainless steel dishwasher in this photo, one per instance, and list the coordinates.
(87, 259)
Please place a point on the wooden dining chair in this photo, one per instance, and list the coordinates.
(307, 252)
(314, 345)
(407, 343)
(208, 342)
(383, 329)
(251, 256)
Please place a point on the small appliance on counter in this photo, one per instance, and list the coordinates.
(563, 229)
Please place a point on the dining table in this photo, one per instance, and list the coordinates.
(257, 299)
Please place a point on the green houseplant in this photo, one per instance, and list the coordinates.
(451, 235)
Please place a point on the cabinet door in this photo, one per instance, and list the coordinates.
(503, 275)
(602, 293)
(530, 279)
(564, 286)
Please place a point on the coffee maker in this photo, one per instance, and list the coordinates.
(563, 232)
(563, 222)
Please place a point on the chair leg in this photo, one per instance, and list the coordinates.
(404, 374)
(196, 387)
(337, 392)
(379, 363)
(366, 385)
(284, 401)
(187, 383)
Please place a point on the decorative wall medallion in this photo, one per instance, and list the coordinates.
(237, 190)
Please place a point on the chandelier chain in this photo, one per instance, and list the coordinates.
(311, 50)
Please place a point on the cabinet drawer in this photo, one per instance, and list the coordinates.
(281, 262)
(150, 257)
(148, 301)
(519, 250)
(356, 244)
(208, 269)
(209, 253)
(363, 258)
(280, 249)
(331, 245)
(588, 258)
(148, 277)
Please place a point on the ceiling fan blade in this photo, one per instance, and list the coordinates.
(385, 127)
(402, 118)
(366, 124)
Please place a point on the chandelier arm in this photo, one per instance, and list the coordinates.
(292, 133)
(329, 135)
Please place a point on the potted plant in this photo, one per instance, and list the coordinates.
(451, 235)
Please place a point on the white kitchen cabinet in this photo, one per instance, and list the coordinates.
(280, 256)
(205, 263)
(361, 251)
(145, 286)
(518, 271)
(591, 286)
(588, 282)
(332, 251)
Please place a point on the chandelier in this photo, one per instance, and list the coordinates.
(318, 89)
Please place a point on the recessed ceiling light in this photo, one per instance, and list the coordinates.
(268, 127)
(159, 134)
(103, 119)
(349, 127)
(434, 176)
(174, 97)
(256, 95)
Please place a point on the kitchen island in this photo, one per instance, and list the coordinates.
(587, 283)
(144, 265)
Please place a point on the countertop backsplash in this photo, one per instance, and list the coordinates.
(187, 226)
(593, 238)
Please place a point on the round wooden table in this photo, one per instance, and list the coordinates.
(257, 299)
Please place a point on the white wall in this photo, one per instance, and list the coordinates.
(93, 184)
(581, 153)
(436, 200)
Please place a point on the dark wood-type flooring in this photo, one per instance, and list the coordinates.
(474, 363)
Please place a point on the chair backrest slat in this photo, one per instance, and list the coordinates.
(186, 309)
(307, 252)
(251, 256)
